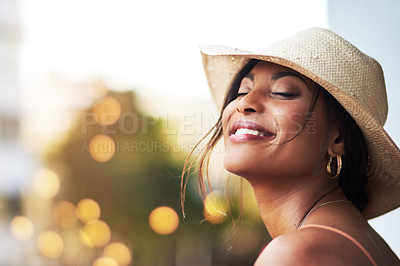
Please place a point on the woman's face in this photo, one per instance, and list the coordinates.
(263, 127)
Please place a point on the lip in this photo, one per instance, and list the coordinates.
(268, 135)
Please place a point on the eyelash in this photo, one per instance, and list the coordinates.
(283, 94)
(241, 94)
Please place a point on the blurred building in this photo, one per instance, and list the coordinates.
(9, 105)
(16, 166)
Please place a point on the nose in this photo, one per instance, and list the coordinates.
(250, 103)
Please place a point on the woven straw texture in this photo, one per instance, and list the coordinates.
(353, 78)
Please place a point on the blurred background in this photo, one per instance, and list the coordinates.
(101, 102)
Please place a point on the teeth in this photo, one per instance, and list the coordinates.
(246, 131)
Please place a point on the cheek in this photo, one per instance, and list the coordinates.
(289, 121)
(311, 142)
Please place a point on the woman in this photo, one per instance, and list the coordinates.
(302, 122)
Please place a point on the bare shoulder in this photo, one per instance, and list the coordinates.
(308, 247)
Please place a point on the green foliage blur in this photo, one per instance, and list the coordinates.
(143, 174)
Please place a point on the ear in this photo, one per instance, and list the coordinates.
(336, 144)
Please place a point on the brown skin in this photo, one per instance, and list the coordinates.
(290, 178)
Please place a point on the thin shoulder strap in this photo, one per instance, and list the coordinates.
(346, 235)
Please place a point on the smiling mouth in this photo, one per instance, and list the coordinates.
(247, 130)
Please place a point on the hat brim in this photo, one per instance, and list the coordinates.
(222, 63)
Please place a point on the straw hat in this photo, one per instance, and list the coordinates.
(353, 78)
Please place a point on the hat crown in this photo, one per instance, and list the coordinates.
(337, 61)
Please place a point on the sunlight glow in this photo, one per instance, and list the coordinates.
(105, 261)
(21, 228)
(106, 111)
(164, 220)
(119, 252)
(50, 244)
(95, 234)
(102, 148)
(46, 183)
(64, 214)
(87, 210)
(215, 208)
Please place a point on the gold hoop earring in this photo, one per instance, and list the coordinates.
(339, 166)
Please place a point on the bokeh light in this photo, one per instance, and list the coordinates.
(119, 252)
(46, 183)
(21, 228)
(164, 220)
(105, 261)
(106, 111)
(64, 214)
(95, 234)
(50, 244)
(87, 210)
(102, 148)
(215, 208)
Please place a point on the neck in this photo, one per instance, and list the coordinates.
(283, 207)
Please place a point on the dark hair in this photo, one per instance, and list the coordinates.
(202, 167)
(353, 176)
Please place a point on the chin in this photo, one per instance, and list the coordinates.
(239, 166)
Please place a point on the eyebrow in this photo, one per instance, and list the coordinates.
(250, 76)
(279, 75)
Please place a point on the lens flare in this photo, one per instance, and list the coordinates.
(95, 234)
(50, 244)
(105, 261)
(64, 214)
(119, 252)
(164, 220)
(215, 208)
(46, 183)
(87, 210)
(21, 228)
(106, 111)
(102, 148)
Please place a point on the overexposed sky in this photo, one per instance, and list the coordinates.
(152, 45)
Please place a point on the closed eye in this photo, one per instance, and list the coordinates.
(285, 95)
(241, 94)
